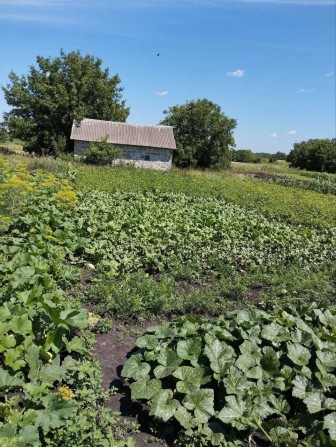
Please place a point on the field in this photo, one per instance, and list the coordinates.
(236, 272)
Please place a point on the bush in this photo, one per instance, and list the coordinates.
(101, 153)
(245, 156)
(314, 155)
(249, 375)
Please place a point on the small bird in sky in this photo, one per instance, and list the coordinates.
(158, 54)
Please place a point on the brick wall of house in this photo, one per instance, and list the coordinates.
(142, 157)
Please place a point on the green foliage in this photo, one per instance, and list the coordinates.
(101, 153)
(179, 234)
(246, 375)
(245, 156)
(324, 185)
(277, 156)
(294, 205)
(314, 155)
(50, 389)
(203, 134)
(140, 295)
(4, 137)
(54, 94)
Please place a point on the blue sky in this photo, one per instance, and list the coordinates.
(270, 64)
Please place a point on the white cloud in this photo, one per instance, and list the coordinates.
(274, 135)
(328, 75)
(236, 74)
(292, 132)
(164, 93)
(306, 90)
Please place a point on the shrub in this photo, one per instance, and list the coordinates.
(248, 375)
(314, 155)
(245, 156)
(101, 153)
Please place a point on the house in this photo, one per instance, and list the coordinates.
(142, 146)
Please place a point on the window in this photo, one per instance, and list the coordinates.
(147, 158)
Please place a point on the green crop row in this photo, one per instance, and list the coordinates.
(190, 236)
(296, 206)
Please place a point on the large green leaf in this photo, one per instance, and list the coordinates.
(202, 402)
(169, 361)
(135, 368)
(300, 384)
(236, 381)
(313, 402)
(190, 379)
(330, 424)
(9, 382)
(163, 405)
(299, 354)
(327, 359)
(189, 349)
(145, 388)
(233, 411)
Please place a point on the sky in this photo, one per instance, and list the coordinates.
(270, 64)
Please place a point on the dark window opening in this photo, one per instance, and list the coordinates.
(147, 158)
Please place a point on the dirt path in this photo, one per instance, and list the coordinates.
(111, 350)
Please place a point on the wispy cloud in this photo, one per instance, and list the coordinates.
(236, 74)
(274, 135)
(17, 17)
(37, 3)
(306, 90)
(293, 2)
(292, 132)
(164, 93)
(328, 75)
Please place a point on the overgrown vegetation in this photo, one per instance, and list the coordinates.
(50, 387)
(101, 153)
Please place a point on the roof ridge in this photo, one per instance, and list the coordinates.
(128, 124)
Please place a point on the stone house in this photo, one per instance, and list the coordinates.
(142, 146)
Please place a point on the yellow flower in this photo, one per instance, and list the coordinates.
(65, 393)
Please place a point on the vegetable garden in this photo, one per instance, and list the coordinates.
(264, 375)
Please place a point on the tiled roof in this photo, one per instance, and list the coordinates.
(122, 133)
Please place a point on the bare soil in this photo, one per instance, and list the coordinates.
(112, 350)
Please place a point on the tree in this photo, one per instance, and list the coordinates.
(314, 155)
(102, 153)
(203, 134)
(4, 137)
(245, 156)
(277, 156)
(54, 94)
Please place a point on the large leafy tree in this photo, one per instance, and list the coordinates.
(57, 91)
(314, 155)
(204, 135)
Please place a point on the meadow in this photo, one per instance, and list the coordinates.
(241, 267)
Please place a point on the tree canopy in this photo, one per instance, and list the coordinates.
(314, 155)
(203, 134)
(55, 93)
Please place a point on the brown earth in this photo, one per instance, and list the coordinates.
(111, 350)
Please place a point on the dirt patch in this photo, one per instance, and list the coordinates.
(111, 349)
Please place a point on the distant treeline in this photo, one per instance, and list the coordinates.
(247, 156)
(314, 155)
